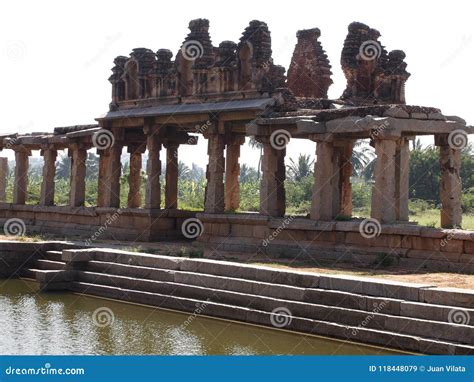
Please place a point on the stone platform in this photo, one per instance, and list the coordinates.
(95, 223)
(409, 245)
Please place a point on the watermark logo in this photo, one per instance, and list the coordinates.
(457, 139)
(459, 317)
(377, 309)
(103, 139)
(14, 227)
(374, 133)
(279, 139)
(200, 308)
(108, 222)
(370, 50)
(192, 50)
(281, 317)
(286, 222)
(370, 228)
(103, 317)
(192, 228)
(15, 50)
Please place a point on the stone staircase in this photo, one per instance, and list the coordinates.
(411, 317)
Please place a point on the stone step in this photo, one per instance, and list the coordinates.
(351, 284)
(344, 316)
(29, 273)
(311, 295)
(330, 329)
(50, 265)
(53, 255)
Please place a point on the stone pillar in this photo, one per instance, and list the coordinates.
(272, 186)
(20, 187)
(153, 168)
(325, 203)
(3, 179)
(114, 170)
(402, 170)
(384, 192)
(344, 152)
(135, 179)
(103, 181)
(77, 192)
(450, 187)
(171, 186)
(215, 174)
(49, 172)
(232, 172)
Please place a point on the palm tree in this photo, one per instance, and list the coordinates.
(183, 171)
(63, 169)
(247, 174)
(362, 156)
(300, 169)
(253, 143)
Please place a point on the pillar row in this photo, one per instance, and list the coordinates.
(49, 172)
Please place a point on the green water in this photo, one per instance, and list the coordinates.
(65, 323)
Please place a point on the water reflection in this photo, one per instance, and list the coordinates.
(61, 323)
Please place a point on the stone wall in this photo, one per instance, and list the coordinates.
(95, 223)
(410, 246)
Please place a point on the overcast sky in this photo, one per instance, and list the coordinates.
(56, 56)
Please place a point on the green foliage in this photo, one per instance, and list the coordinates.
(361, 194)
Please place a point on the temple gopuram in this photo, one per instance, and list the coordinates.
(224, 94)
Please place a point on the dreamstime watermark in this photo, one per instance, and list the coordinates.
(370, 50)
(457, 139)
(103, 317)
(377, 309)
(446, 240)
(286, 222)
(374, 133)
(192, 50)
(103, 139)
(279, 139)
(47, 369)
(198, 129)
(281, 317)
(109, 221)
(459, 317)
(192, 228)
(14, 227)
(370, 228)
(200, 308)
(15, 50)
(465, 41)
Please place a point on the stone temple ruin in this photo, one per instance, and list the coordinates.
(232, 91)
